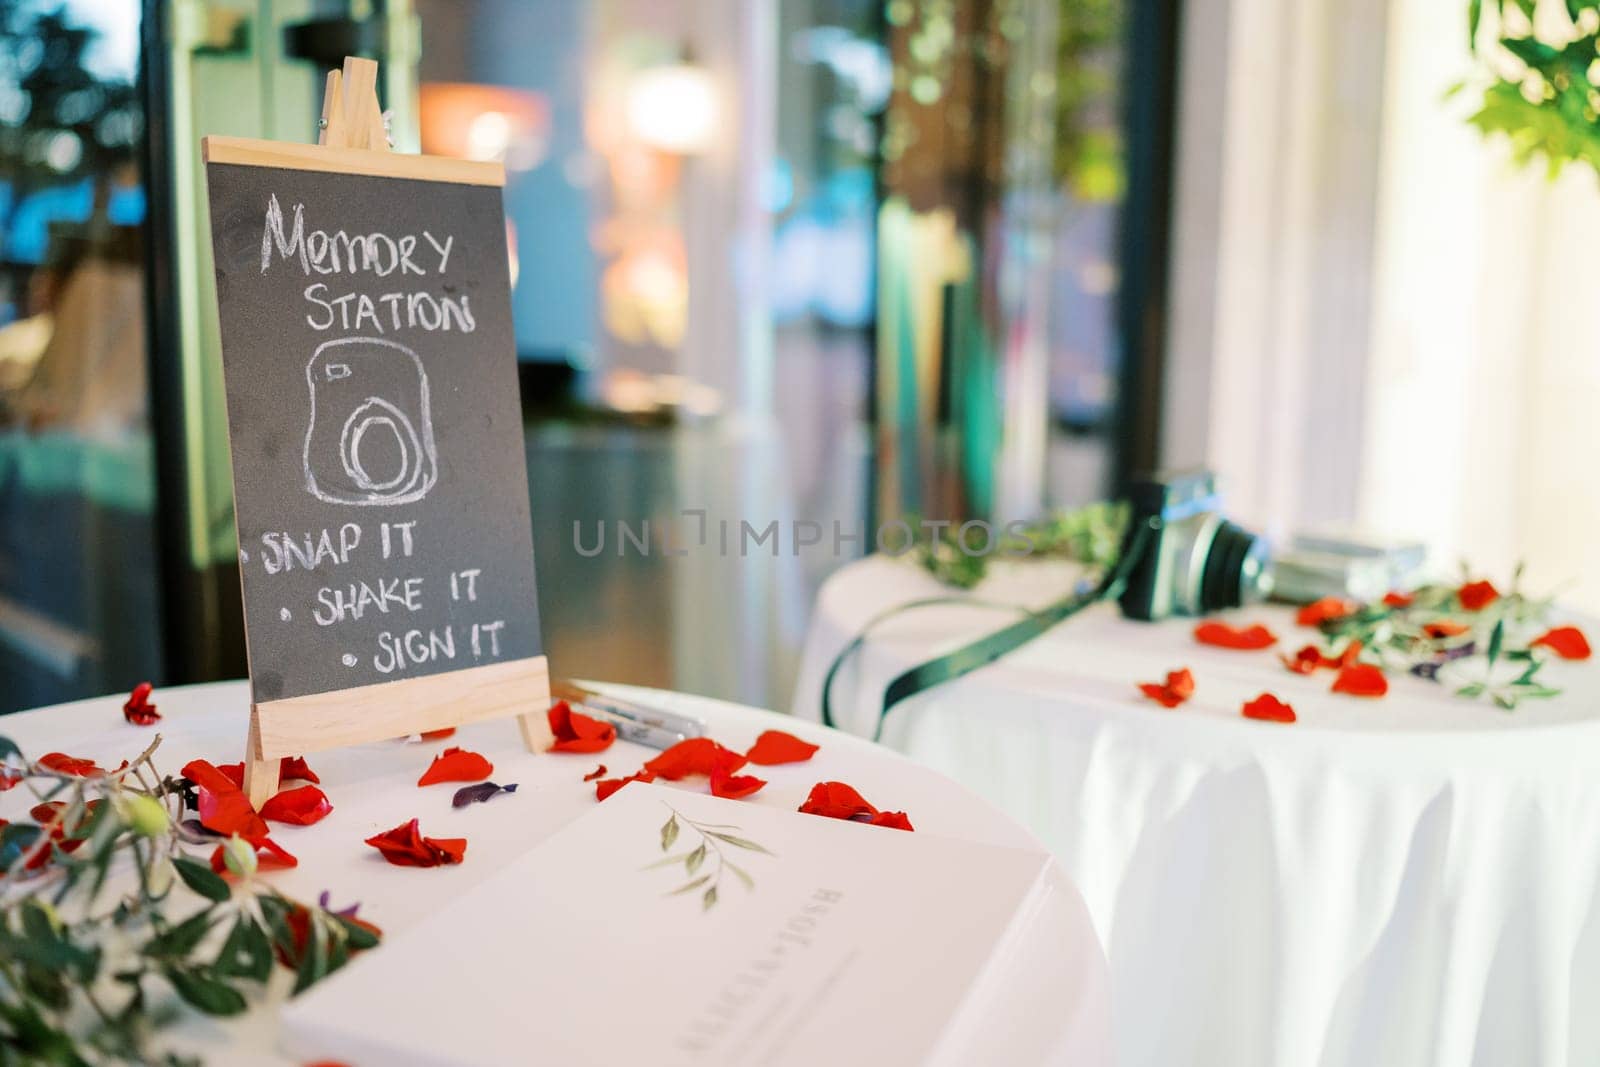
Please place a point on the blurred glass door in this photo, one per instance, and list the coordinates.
(79, 601)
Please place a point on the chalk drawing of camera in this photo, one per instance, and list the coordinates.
(370, 438)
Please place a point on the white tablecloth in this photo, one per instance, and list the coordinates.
(1410, 880)
(1046, 1003)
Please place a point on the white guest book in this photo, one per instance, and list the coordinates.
(755, 936)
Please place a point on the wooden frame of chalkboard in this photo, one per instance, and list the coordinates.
(466, 498)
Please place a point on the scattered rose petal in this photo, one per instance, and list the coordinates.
(1178, 687)
(1305, 661)
(1567, 642)
(836, 800)
(438, 735)
(606, 786)
(734, 786)
(62, 763)
(1320, 611)
(138, 709)
(222, 805)
(1444, 628)
(1395, 599)
(9, 778)
(696, 755)
(598, 772)
(1475, 596)
(456, 765)
(294, 767)
(577, 732)
(204, 772)
(1361, 680)
(774, 747)
(301, 806)
(1220, 634)
(1268, 708)
(477, 794)
(404, 846)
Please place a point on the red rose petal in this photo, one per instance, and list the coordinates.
(138, 709)
(1320, 611)
(300, 807)
(1178, 687)
(1361, 680)
(774, 747)
(1305, 661)
(598, 772)
(696, 755)
(228, 812)
(9, 779)
(836, 800)
(1475, 596)
(577, 732)
(292, 767)
(1220, 634)
(1567, 642)
(1268, 708)
(404, 846)
(456, 765)
(62, 763)
(735, 786)
(605, 787)
(438, 735)
(1397, 600)
(205, 773)
(1444, 628)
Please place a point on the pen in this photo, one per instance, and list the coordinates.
(669, 721)
(638, 732)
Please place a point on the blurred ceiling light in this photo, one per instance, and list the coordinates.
(485, 122)
(674, 108)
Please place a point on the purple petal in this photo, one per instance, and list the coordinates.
(477, 794)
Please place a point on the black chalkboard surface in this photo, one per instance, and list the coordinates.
(380, 483)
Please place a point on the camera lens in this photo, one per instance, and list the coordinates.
(1234, 569)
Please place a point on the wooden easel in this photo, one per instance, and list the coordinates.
(353, 140)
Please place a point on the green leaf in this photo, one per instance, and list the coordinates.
(741, 842)
(178, 941)
(1497, 637)
(666, 861)
(1475, 689)
(1506, 701)
(709, 899)
(211, 995)
(687, 886)
(1474, 16)
(314, 964)
(357, 935)
(9, 748)
(247, 953)
(692, 862)
(740, 873)
(202, 879)
(669, 832)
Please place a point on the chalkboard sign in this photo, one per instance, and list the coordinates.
(380, 483)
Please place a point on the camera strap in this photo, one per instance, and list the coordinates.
(985, 650)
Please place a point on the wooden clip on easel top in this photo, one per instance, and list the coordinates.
(351, 117)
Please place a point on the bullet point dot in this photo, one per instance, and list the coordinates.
(283, 613)
(349, 660)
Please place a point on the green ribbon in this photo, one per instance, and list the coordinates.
(985, 650)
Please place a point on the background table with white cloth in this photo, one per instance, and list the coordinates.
(1043, 1001)
(1408, 880)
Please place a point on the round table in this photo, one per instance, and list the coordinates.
(1047, 1002)
(1407, 880)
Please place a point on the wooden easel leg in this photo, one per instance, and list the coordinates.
(260, 776)
(535, 727)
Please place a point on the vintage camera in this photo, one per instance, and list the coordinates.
(369, 438)
(1182, 557)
